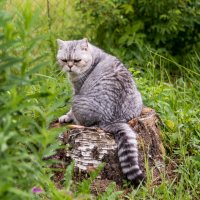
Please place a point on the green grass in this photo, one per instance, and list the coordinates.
(34, 92)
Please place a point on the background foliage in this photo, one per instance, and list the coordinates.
(158, 40)
(170, 27)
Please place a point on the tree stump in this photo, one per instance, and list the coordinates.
(90, 146)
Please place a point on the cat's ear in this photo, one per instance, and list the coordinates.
(84, 44)
(60, 43)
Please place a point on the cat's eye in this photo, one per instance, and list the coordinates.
(77, 60)
(64, 60)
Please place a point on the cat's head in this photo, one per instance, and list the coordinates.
(74, 56)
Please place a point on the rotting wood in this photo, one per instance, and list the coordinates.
(90, 146)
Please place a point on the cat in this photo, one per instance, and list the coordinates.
(105, 95)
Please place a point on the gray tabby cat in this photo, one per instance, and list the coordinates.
(105, 95)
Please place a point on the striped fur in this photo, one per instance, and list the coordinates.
(105, 95)
(127, 150)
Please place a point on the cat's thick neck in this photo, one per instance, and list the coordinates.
(78, 80)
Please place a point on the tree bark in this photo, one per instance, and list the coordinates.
(90, 146)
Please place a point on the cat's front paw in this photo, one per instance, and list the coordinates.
(65, 119)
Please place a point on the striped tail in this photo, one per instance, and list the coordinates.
(127, 151)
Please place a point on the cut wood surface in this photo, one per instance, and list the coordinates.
(90, 146)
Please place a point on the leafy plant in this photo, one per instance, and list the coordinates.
(156, 36)
(129, 28)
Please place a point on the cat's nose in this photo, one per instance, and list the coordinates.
(70, 64)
